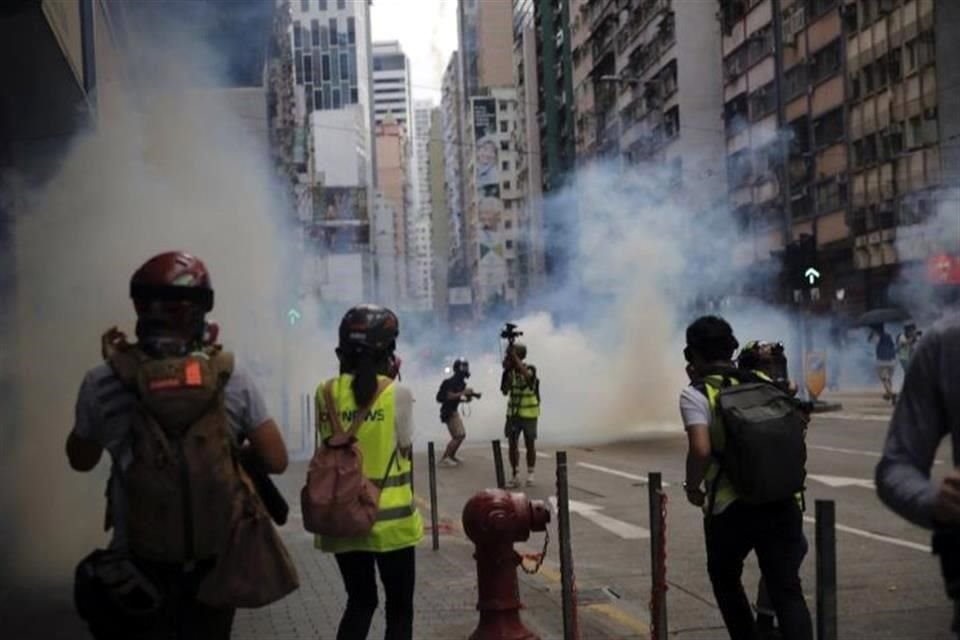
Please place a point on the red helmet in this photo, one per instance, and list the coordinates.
(171, 293)
(174, 276)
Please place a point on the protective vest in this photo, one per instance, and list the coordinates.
(398, 522)
(182, 478)
(904, 350)
(523, 401)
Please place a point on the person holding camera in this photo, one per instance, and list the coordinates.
(452, 392)
(928, 411)
(520, 383)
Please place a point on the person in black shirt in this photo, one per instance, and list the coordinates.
(452, 392)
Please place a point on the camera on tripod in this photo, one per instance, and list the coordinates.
(510, 333)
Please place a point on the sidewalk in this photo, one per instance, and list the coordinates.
(446, 591)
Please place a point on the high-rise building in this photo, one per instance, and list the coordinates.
(421, 254)
(393, 184)
(391, 84)
(860, 94)
(453, 113)
(331, 51)
(583, 84)
(439, 215)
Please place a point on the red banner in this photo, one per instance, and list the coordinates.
(944, 269)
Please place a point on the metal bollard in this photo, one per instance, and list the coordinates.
(826, 549)
(498, 464)
(570, 631)
(432, 463)
(658, 570)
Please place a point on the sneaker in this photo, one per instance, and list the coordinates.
(513, 483)
(530, 480)
(447, 462)
(457, 460)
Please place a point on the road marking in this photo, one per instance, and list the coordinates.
(615, 472)
(639, 627)
(839, 481)
(878, 537)
(873, 417)
(592, 513)
(854, 452)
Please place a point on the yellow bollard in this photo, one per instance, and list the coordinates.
(815, 372)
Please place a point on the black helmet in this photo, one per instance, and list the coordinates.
(371, 327)
(461, 365)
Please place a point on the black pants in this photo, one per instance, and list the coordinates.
(775, 533)
(397, 573)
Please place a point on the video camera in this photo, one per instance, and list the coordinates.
(510, 333)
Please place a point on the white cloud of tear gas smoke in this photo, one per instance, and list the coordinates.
(174, 168)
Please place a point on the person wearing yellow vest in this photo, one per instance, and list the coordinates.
(367, 340)
(522, 387)
(733, 528)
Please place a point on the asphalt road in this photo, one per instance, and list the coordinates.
(888, 582)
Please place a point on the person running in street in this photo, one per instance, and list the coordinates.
(886, 355)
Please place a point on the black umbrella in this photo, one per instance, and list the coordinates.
(882, 316)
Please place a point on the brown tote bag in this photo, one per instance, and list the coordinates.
(254, 568)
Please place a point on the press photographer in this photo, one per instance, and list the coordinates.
(522, 386)
(452, 392)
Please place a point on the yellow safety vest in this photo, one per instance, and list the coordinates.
(725, 493)
(398, 522)
(523, 402)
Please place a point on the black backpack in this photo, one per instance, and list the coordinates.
(765, 451)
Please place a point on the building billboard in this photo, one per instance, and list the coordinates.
(492, 265)
(340, 219)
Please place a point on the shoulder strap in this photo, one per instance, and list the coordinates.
(361, 413)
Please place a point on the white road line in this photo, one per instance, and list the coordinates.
(872, 417)
(840, 481)
(854, 452)
(615, 472)
(878, 537)
(592, 513)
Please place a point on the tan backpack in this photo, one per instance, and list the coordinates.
(338, 500)
(182, 480)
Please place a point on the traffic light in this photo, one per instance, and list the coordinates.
(801, 268)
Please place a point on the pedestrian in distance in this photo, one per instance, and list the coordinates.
(451, 393)
(381, 411)
(171, 410)
(906, 344)
(886, 358)
(928, 412)
(521, 385)
(746, 507)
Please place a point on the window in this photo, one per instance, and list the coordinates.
(508, 224)
(505, 165)
(671, 123)
(509, 244)
(831, 195)
(309, 98)
(322, 4)
(504, 145)
(828, 128)
(506, 185)
(325, 67)
(344, 67)
(866, 12)
(315, 32)
(327, 101)
(351, 30)
(297, 35)
(307, 69)
(825, 63)
(735, 114)
(341, 4)
(503, 126)
(795, 81)
(298, 68)
(739, 168)
(762, 102)
(324, 38)
(354, 97)
(759, 45)
(335, 68)
(336, 99)
(820, 7)
(304, 5)
(503, 106)
(317, 98)
(334, 39)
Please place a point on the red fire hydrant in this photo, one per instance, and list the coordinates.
(494, 519)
